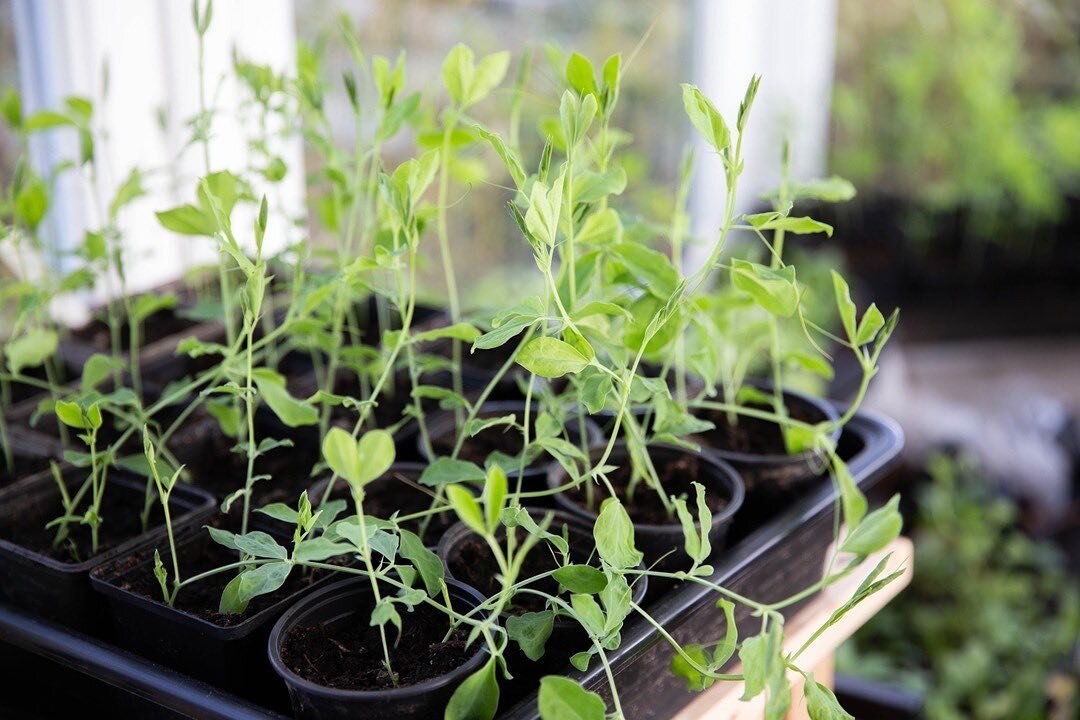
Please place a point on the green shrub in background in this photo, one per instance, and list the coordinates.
(961, 104)
(987, 627)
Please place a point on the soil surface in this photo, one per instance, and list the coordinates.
(676, 474)
(753, 435)
(214, 467)
(23, 523)
(348, 656)
(134, 573)
(501, 438)
(470, 561)
(397, 492)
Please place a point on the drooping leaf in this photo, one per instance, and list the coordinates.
(613, 533)
(477, 698)
(30, 349)
(291, 411)
(531, 632)
(561, 698)
(876, 530)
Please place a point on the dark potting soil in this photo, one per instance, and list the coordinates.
(399, 492)
(676, 475)
(753, 435)
(134, 573)
(159, 325)
(471, 562)
(24, 525)
(348, 655)
(220, 471)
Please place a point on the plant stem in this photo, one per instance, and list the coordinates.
(450, 118)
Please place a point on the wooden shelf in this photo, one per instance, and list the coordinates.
(721, 702)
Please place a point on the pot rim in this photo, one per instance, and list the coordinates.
(721, 468)
(310, 602)
(444, 419)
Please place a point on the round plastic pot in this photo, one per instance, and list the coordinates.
(232, 657)
(663, 545)
(777, 477)
(336, 604)
(444, 425)
(567, 636)
(60, 591)
(399, 487)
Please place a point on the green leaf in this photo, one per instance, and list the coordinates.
(340, 452)
(426, 562)
(651, 268)
(695, 680)
(845, 306)
(616, 598)
(811, 363)
(774, 290)
(321, 548)
(188, 220)
(249, 584)
(477, 698)
(706, 118)
(545, 206)
(580, 75)
(872, 321)
(726, 648)
(459, 331)
(31, 202)
(46, 120)
(467, 508)
(601, 228)
(31, 349)
(561, 698)
(494, 497)
(589, 614)
(821, 704)
(851, 498)
(69, 413)
(509, 157)
(490, 71)
(98, 368)
(613, 533)
(590, 187)
(798, 226)
(581, 579)
(876, 530)
(129, 190)
(447, 471)
(260, 545)
(531, 632)
(551, 358)
(831, 189)
(292, 412)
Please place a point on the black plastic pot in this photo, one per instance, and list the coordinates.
(783, 554)
(31, 454)
(443, 426)
(400, 486)
(774, 477)
(658, 541)
(338, 603)
(229, 656)
(567, 636)
(59, 590)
